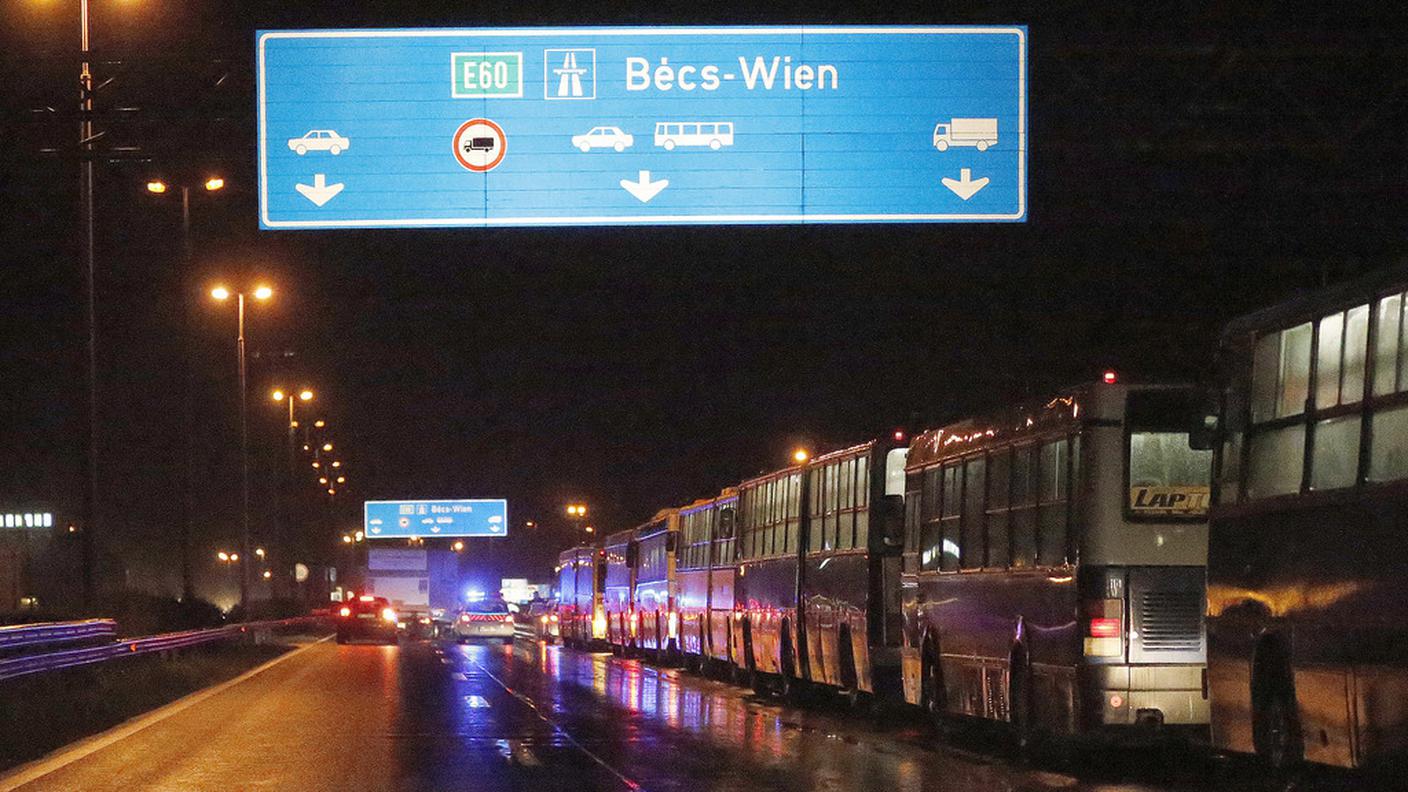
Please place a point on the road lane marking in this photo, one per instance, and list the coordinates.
(529, 703)
(476, 702)
(33, 771)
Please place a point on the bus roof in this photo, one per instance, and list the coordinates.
(1308, 305)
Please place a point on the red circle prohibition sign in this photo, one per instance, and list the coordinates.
(490, 165)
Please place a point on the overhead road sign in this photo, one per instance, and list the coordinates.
(430, 518)
(626, 126)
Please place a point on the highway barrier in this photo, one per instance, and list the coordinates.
(45, 635)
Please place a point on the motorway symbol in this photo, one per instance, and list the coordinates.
(645, 189)
(569, 74)
(480, 145)
(965, 186)
(320, 192)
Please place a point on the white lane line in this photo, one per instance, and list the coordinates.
(476, 702)
(41, 767)
(632, 785)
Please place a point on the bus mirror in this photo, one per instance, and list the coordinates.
(1204, 438)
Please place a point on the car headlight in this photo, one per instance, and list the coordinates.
(388, 614)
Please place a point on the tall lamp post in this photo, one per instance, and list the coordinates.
(222, 294)
(158, 187)
(289, 538)
(279, 395)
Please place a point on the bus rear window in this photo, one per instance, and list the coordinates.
(1168, 476)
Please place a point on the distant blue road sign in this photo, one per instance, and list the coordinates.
(618, 126)
(430, 518)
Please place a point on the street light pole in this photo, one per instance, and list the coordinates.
(85, 142)
(260, 293)
(244, 463)
(188, 504)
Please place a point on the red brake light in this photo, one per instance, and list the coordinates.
(1111, 377)
(1104, 628)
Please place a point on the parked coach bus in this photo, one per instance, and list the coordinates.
(654, 619)
(581, 620)
(618, 588)
(705, 566)
(817, 592)
(1308, 619)
(1054, 562)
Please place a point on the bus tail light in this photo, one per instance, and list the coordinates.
(673, 625)
(345, 612)
(1104, 633)
(599, 624)
(1104, 628)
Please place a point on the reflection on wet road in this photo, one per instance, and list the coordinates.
(425, 716)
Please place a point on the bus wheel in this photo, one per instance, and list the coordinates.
(1276, 731)
(932, 696)
(789, 687)
(850, 680)
(1020, 700)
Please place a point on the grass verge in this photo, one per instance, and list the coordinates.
(42, 712)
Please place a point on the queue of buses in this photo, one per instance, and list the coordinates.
(1117, 558)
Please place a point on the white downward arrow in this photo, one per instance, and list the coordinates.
(645, 189)
(321, 192)
(965, 186)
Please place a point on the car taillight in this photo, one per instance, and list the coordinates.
(508, 618)
(1104, 633)
(388, 614)
(345, 612)
(464, 617)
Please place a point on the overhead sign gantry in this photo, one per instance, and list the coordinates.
(622, 126)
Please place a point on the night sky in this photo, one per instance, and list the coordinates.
(1186, 165)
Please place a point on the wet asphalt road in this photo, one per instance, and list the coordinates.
(486, 717)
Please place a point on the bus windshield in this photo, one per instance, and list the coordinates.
(1168, 474)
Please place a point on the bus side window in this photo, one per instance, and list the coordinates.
(1054, 483)
(999, 488)
(1023, 514)
(974, 493)
(913, 498)
(930, 537)
(951, 511)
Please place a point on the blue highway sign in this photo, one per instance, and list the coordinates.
(619, 126)
(423, 518)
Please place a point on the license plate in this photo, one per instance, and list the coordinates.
(366, 615)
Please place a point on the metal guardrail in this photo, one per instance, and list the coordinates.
(45, 633)
(130, 647)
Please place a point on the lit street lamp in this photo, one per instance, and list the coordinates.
(222, 294)
(158, 186)
(577, 512)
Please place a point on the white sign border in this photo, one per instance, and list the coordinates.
(780, 219)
